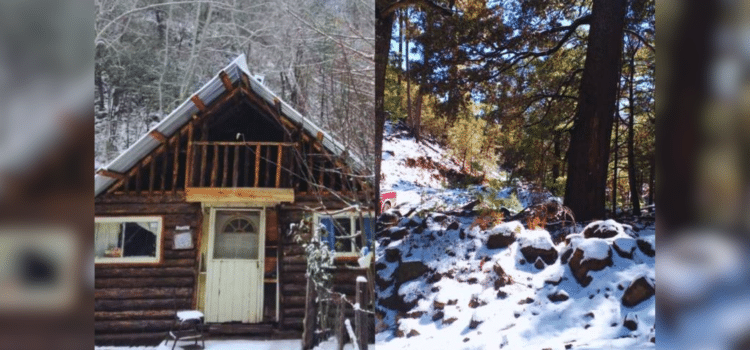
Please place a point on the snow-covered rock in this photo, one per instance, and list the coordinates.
(603, 229)
(589, 255)
(639, 291)
(537, 243)
(502, 235)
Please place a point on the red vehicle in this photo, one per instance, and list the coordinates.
(387, 200)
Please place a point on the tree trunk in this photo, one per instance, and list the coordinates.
(588, 156)
(383, 29)
(617, 160)
(409, 116)
(418, 116)
(634, 197)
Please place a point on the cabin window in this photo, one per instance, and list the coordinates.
(128, 239)
(344, 226)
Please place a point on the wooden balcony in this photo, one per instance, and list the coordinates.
(240, 164)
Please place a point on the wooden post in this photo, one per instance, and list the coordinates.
(164, 162)
(278, 168)
(267, 183)
(236, 166)
(203, 165)
(340, 331)
(215, 169)
(176, 162)
(360, 317)
(257, 164)
(189, 157)
(225, 172)
(311, 313)
(246, 166)
(152, 173)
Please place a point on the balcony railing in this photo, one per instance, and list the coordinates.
(240, 164)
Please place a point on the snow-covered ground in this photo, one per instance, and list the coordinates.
(440, 286)
(289, 344)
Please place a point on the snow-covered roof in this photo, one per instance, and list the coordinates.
(208, 94)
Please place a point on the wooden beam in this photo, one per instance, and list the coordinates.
(158, 136)
(319, 136)
(165, 159)
(242, 194)
(257, 164)
(236, 166)
(189, 156)
(176, 162)
(225, 171)
(225, 79)
(204, 151)
(111, 174)
(278, 167)
(198, 103)
(215, 167)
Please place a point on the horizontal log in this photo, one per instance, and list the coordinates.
(248, 143)
(180, 254)
(143, 293)
(129, 339)
(164, 263)
(151, 209)
(245, 329)
(295, 259)
(155, 271)
(144, 282)
(294, 301)
(141, 304)
(293, 323)
(133, 326)
(293, 268)
(291, 288)
(134, 315)
(294, 312)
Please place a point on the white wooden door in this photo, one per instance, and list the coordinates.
(234, 270)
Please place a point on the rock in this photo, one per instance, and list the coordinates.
(454, 225)
(449, 320)
(412, 333)
(410, 270)
(392, 254)
(472, 280)
(631, 321)
(382, 282)
(503, 235)
(438, 305)
(395, 302)
(415, 314)
(539, 264)
(538, 243)
(580, 267)
(549, 256)
(452, 302)
(462, 234)
(396, 233)
(500, 282)
(414, 221)
(528, 300)
(466, 339)
(558, 296)
(380, 266)
(502, 294)
(438, 315)
(646, 247)
(389, 218)
(566, 255)
(474, 323)
(602, 229)
(435, 277)
(475, 302)
(624, 247)
(498, 269)
(437, 217)
(639, 291)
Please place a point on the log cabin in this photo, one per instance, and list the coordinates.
(195, 215)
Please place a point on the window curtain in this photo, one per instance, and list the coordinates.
(106, 236)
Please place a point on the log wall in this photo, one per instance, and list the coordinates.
(136, 303)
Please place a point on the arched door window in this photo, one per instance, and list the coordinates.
(236, 235)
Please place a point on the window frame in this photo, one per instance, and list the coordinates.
(353, 217)
(132, 260)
